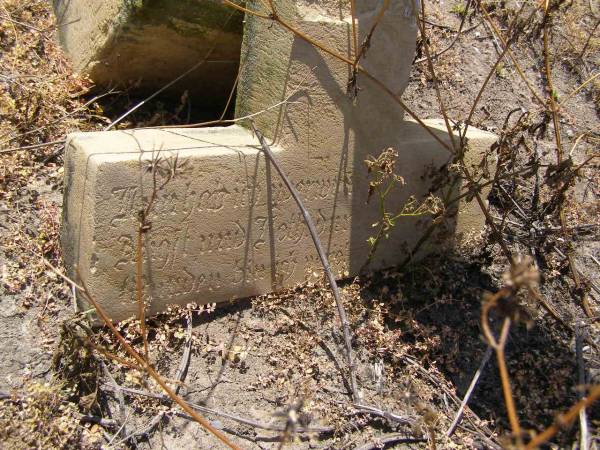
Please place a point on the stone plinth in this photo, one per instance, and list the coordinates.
(148, 44)
(225, 226)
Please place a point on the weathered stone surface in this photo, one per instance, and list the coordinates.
(225, 226)
(218, 231)
(120, 42)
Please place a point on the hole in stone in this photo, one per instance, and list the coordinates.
(147, 46)
(177, 107)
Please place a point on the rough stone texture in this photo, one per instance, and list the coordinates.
(150, 43)
(225, 226)
(218, 232)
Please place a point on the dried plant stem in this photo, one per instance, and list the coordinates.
(393, 438)
(367, 41)
(490, 74)
(432, 70)
(458, 32)
(491, 23)
(139, 290)
(589, 38)
(109, 355)
(459, 152)
(578, 89)
(459, 414)
(323, 257)
(354, 36)
(559, 158)
(394, 418)
(506, 389)
(564, 420)
(584, 440)
(204, 409)
(498, 345)
(231, 93)
(153, 373)
(31, 147)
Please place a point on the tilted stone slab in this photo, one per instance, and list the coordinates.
(149, 43)
(225, 226)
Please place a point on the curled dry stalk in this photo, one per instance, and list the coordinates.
(522, 275)
(498, 345)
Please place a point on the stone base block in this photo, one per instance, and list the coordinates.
(224, 226)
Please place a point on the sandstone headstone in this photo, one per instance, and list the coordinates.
(149, 43)
(225, 226)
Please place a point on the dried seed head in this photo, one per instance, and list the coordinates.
(523, 273)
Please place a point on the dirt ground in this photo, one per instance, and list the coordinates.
(276, 363)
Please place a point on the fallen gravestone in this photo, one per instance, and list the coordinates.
(149, 43)
(221, 224)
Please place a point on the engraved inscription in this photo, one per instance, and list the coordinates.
(232, 237)
(257, 241)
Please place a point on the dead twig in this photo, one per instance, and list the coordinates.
(144, 431)
(33, 146)
(564, 420)
(366, 409)
(459, 414)
(577, 90)
(490, 22)
(488, 435)
(559, 159)
(498, 345)
(205, 410)
(584, 440)
(152, 372)
(589, 38)
(179, 379)
(393, 438)
(120, 399)
(322, 256)
(459, 33)
(186, 356)
(367, 40)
